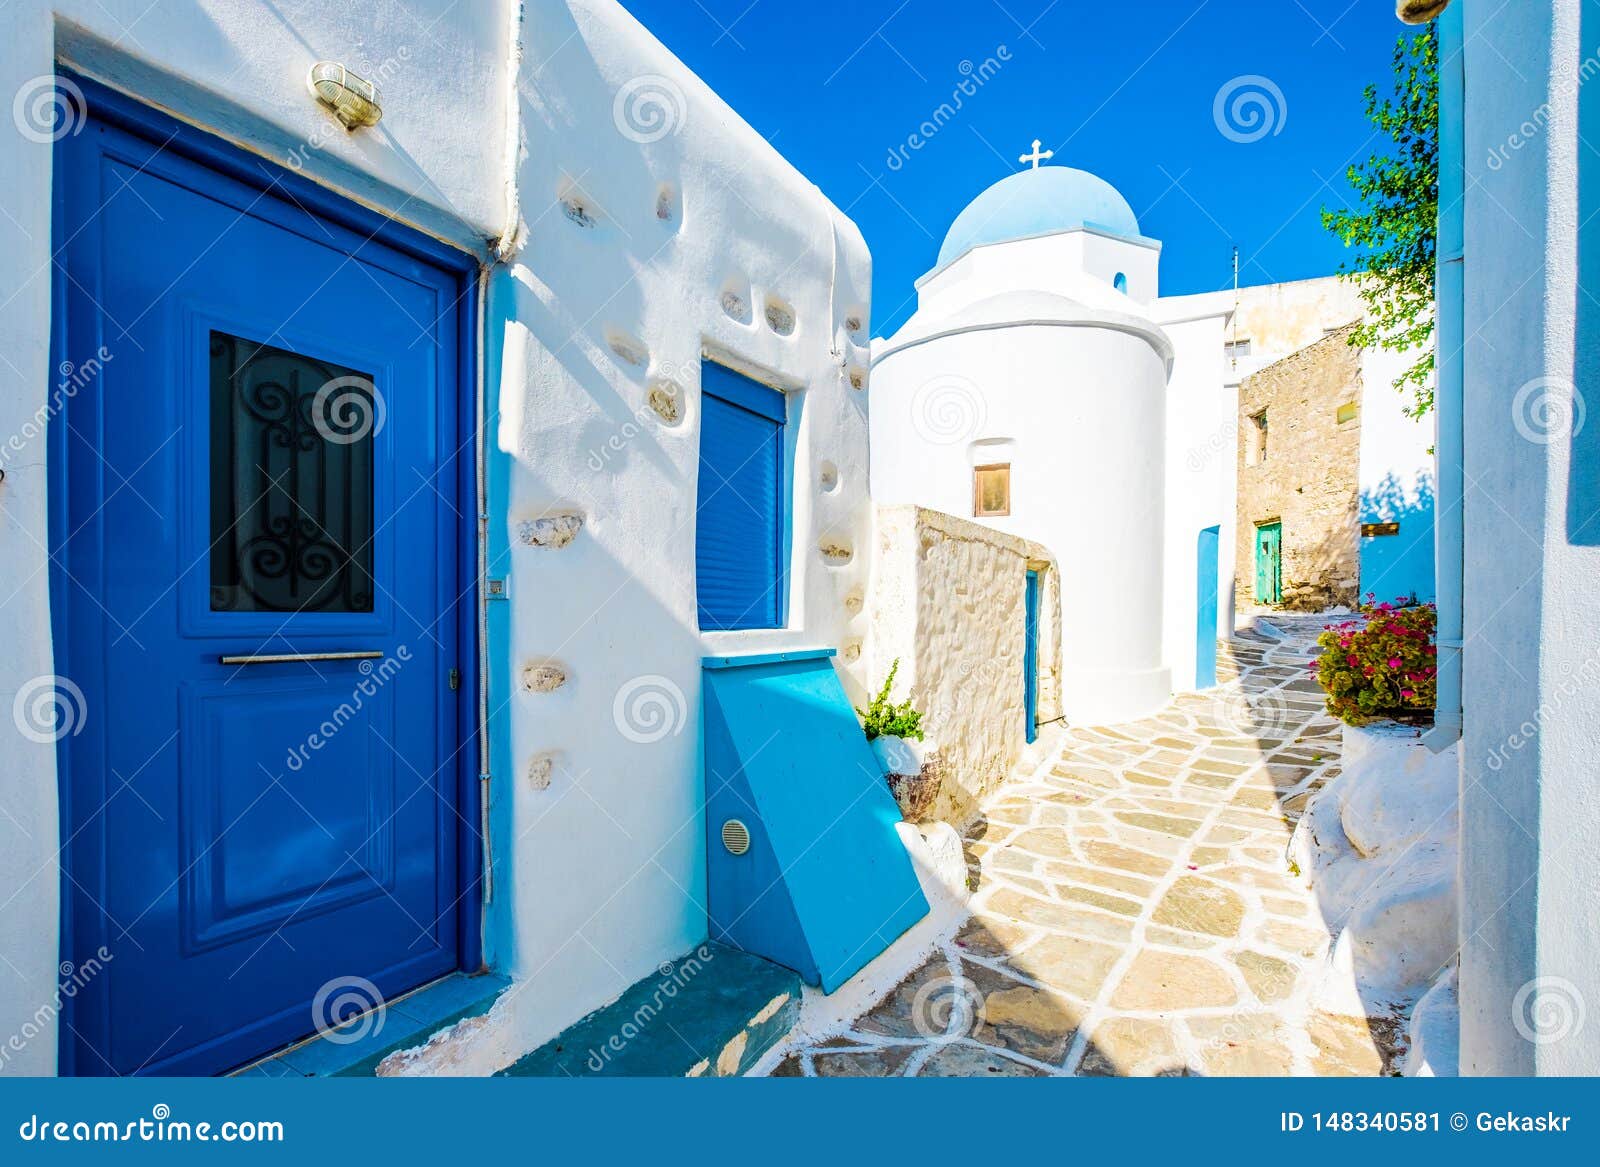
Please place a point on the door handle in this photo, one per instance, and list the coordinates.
(289, 658)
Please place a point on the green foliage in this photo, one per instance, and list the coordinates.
(882, 718)
(1382, 665)
(1395, 224)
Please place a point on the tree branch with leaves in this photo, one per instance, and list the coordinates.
(1394, 224)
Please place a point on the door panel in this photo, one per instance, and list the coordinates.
(264, 466)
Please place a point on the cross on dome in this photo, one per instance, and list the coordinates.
(1036, 157)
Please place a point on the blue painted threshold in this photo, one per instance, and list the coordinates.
(712, 1012)
(804, 865)
(356, 1047)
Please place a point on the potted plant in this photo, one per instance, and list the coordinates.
(895, 734)
(1381, 665)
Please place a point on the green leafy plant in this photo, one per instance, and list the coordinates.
(1395, 223)
(1382, 665)
(883, 718)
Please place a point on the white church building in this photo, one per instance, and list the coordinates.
(1042, 387)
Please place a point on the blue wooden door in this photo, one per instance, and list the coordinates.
(257, 598)
(1207, 549)
(1030, 657)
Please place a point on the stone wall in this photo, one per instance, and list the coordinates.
(1308, 480)
(947, 602)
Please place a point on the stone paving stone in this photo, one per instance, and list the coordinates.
(1245, 1045)
(1167, 981)
(881, 1062)
(1127, 1046)
(1270, 979)
(1197, 905)
(1069, 963)
(972, 1061)
(1135, 913)
(1048, 914)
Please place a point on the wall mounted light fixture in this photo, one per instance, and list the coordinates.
(353, 100)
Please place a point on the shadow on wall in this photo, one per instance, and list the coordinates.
(1400, 564)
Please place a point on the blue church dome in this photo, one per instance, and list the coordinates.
(1037, 202)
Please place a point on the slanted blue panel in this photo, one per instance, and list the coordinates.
(826, 884)
(1207, 548)
(739, 512)
(1030, 657)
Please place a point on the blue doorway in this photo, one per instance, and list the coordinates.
(1207, 574)
(261, 590)
(1030, 657)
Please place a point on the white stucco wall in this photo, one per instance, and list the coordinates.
(1200, 486)
(1084, 407)
(1530, 819)
(598, 872)
(603, 870)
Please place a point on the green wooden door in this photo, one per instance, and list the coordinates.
(1269, 563)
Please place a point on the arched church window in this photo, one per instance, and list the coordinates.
(1120, 281)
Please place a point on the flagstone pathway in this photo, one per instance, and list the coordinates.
(1135, 910)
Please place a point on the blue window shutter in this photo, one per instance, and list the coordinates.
(739, 512)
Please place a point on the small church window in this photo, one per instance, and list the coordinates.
(1120, 281)
(1258, 438)
(991, 490)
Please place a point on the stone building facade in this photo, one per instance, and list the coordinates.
(1298, 466)
(947, 603)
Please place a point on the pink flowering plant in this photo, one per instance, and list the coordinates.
(1382, 664)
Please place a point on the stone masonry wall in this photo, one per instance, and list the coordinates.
(947, 602)
(1309, 479)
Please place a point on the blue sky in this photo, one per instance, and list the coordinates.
(1127, 90)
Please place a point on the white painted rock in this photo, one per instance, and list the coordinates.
(553, 531)
(1394, 789)
(900, 755)
(1435, 1032)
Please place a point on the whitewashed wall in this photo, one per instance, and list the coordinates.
(603, 868)
(580, 114)
(1530, 819)
(1081, 398)
(1201, 437)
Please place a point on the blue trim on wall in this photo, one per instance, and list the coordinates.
(131, 115)
(1208, 547)
(1030, 656)
(765, 658)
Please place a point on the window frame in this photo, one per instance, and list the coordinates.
(977, 491)
(740, 390)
